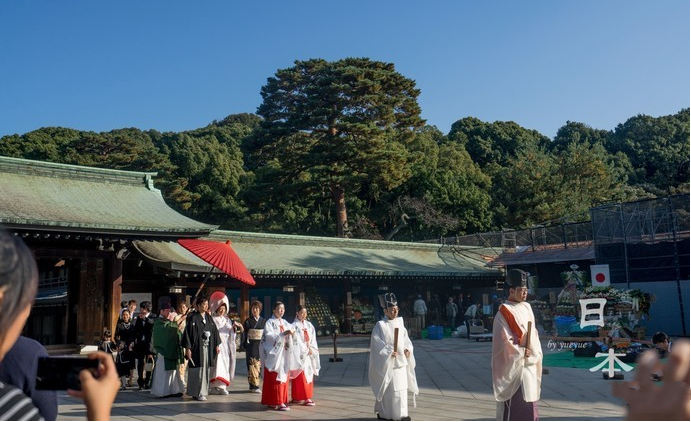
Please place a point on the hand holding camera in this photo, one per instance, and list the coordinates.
(99, 386)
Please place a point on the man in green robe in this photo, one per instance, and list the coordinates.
(169, 353)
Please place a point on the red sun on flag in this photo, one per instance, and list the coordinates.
(599, 274)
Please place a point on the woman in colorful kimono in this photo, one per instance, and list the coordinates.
(278, 350)
(224, 371)
(254, 331)
(302, 384)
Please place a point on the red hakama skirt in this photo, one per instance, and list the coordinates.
(274, 392)
(300, 389)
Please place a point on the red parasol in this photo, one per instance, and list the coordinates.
(221, 256)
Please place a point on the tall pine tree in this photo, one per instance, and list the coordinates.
(331, 128)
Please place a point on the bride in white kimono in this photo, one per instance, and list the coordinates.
(224, 370)
(391, 368)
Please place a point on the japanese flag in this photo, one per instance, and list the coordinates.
(599, 275)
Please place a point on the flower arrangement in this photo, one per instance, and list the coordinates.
(579, 278)
(641, 302)
(610, 293)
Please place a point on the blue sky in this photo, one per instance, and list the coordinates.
(175, 65)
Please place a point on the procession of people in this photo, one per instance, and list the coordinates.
(194, 350)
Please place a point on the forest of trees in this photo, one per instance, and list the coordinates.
(339, 149)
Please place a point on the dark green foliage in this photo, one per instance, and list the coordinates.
(447, 193)
(534, 181)
(579, 133)
(493, 145)
(658, 149)
(208, 170)
(351, 131)
(123, 149)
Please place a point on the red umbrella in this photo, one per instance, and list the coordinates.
(221, 256)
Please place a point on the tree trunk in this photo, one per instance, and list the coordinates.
(338, 194)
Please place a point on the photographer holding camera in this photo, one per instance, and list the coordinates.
(18, 285)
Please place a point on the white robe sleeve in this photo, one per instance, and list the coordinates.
(380, 362)
(232, 346)
(314, 357)
(272, 345)
(507, 360)
(412, 378)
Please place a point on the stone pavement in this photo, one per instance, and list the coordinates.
(453, 374)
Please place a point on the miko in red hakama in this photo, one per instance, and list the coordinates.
(278, 352)
(302, 379)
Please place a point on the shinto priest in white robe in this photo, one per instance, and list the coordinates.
(511, 370)
(391, 378)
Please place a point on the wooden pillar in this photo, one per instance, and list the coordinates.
(115, 293)
(245, 299)
(90, 312)
(348, 307)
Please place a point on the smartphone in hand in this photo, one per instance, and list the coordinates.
(62, 372)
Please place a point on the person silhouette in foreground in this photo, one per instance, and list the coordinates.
(650, 400)
(17, 369)
(18, 285)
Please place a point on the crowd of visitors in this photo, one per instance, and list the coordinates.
(452, 314)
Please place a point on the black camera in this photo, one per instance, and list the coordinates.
(62, 372)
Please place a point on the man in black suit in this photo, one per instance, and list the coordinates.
(143, 348)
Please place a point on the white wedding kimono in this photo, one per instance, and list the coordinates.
(309, 364)
(511, 370)
(224, 370)
(391, 378)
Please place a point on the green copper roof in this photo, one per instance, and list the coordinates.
(275, 254)
(41, 195)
